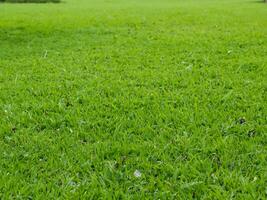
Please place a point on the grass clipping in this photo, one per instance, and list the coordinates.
(31, 1)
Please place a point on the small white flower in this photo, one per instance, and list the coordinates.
(137, 174)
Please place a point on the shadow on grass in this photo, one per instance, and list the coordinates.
(30, 1)
(258, 1)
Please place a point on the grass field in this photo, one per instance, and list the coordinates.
(133, 99)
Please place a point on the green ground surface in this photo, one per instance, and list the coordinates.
(93, 90)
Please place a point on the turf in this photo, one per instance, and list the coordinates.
(138, 99)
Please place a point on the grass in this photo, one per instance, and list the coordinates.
(133, 99)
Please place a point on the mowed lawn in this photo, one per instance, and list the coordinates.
(136, 99)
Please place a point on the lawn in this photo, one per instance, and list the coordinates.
(133, 99)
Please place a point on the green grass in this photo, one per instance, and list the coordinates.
(93, 90)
